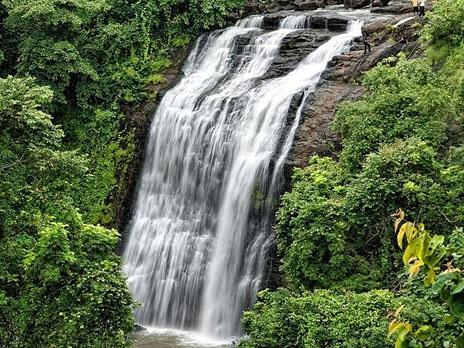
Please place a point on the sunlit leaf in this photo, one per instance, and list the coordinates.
(415, 268)
(401, 234)
(423, 332)
(400, 218)
(430, 277)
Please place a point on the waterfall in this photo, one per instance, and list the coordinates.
(295, 22)
(201, 227)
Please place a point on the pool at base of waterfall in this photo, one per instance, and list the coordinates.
(169, 338)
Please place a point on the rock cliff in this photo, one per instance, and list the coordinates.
(340, 82)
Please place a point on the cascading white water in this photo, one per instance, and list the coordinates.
(295, 22)
(262, 120)
(200, 232)
(250, 22)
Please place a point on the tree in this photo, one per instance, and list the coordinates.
(52, 262)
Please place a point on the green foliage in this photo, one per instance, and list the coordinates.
(60, 282)
(35, 173)
(97, 56)
(444, 39)
(49, 50)
(8, 45)
(333, 226)
(406, 100)
(446, 29)
(70, 291)
(102, 52)
(400, 145)
(301, 232)
(72, 275)
(326, 318)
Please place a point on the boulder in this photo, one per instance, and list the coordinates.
(378, 25)
(394, 7)
(357, 3)
(307, 5)
(138, 327)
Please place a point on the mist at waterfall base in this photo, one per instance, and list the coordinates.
(201, 229)
(171, 338)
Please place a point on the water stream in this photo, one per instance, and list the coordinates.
(201, 230)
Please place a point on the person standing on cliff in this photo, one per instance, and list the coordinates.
(415, 7)
(422, 9)
(365, 38)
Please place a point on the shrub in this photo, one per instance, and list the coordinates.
(326, 318)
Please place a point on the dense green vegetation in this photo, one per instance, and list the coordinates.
(67, 69)
(403, 147)
(60, 282)
(325, 318)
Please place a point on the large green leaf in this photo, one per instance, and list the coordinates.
(443, 279)
(435, 251)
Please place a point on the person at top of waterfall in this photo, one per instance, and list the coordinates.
(367, 45)
(422, 8)
(415, 7)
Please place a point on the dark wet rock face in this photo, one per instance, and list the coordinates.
(355, 4)
(295, 47)
(330, 22)
(272, 21)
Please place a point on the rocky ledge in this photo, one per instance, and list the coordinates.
(329, 20)
(253, 7)
(396, 7)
